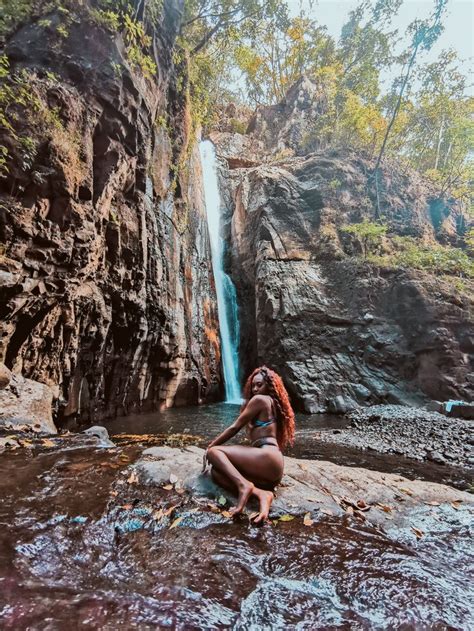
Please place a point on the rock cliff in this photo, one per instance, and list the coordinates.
(342, 331)
(106, 283)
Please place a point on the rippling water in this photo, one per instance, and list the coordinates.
(80, 548)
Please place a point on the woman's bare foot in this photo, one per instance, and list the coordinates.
(265, 499)
(245, 491)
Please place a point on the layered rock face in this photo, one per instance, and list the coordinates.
(341, 331)
(107, 292)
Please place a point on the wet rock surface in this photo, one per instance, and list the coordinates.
(308, 486)
(409, 432)
(87, 537)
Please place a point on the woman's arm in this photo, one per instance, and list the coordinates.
(253, 407)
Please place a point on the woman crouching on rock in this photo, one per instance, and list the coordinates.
(256, 469)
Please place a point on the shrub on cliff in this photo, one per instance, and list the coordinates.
(368, 233)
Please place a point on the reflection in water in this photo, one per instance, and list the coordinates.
(82, 548)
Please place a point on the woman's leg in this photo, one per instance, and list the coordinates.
(244, 466)
(264, 497)
(221, 462)
(261, 465)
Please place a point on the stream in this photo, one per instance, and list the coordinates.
(80, 548)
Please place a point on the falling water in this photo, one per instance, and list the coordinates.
(225, 290)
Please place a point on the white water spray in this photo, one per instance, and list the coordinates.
(225, 290)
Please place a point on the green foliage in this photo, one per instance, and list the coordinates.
(3, 160)
(238, 126)
(277, 57)
(110, 20)
(119, 18)
(469, 240)
(62, 31)
(368, 233)
(435, 258)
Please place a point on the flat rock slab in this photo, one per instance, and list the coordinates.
(309, 486)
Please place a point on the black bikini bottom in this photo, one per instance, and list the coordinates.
(261, 442)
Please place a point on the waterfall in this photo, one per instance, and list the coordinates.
(225, 289)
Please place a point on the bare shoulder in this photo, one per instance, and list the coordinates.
(261, 400)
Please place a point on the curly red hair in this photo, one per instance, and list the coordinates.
(285, 416)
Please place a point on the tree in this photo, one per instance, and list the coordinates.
(206, 21)
(276, 56)
(424, 34)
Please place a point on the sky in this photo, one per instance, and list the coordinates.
(458, 33)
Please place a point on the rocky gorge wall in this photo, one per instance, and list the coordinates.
(107, 293)
(342, 331)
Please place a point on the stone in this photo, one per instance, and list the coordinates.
(307, 486)
(341, 405)
(436, 456)
(462, 410)
(102, 434)
(411, 432)
(435, 406)
(26, 405)
(5, 376)
(311, 307)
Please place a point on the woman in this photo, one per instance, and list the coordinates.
(257, 469)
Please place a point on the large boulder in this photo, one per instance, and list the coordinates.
(26, 405)
(310, 486)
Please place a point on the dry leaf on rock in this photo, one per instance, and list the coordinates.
(226, 513)
(170, 509)
(302, 466)
(419, 533)
(385, 508)
(307, 521)
(286, 517)
(47, 443)
(176, 522)
(406, 491)
(133, 478)
(167, 487)
(432, 503)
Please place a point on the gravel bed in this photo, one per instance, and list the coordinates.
(411, 432)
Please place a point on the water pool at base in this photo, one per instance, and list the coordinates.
(80, 548)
